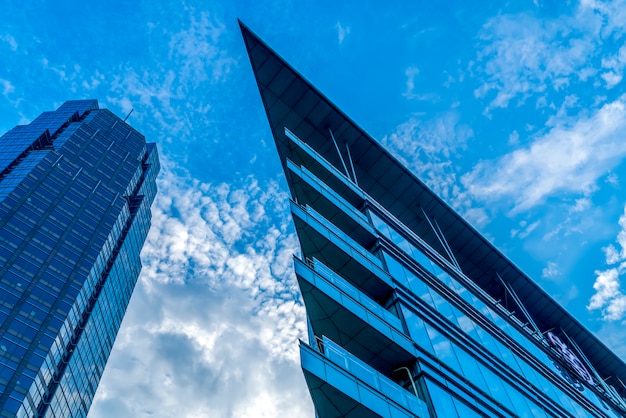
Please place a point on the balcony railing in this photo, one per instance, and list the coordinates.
(372, 378)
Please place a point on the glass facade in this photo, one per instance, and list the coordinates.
(76, 186)
(411, 312)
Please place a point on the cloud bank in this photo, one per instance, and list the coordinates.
(609, 296)
(213, 324)
(569, 158)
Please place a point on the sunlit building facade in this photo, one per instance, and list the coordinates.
(76, 185)
(411, 311)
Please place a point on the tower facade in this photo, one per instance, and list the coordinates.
(76, 186)
(412, 312)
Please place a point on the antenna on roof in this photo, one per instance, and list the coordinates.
(127, 116)
(339, 152)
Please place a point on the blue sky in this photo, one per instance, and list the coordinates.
(514, 112)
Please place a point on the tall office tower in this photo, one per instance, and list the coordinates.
(411, 312)
(76, 186)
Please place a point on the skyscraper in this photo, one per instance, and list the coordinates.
(76, 186)
(412, 312)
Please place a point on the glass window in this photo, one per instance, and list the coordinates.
(443, 348)
(442, 401)
(417, 330)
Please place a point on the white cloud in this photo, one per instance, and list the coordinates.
(609, 297)
(614, 67)
(94, 81)
(410, 73)
(570, 157)
(605, 17)
(427, 147)
(582, 205)
(197, 58)
(342, 32)
(611, 254)
(197, 49)
(441, 136)
(213, 324)
(525, 229)
(7, 87)
(10, 40)
(613, 179)
(611, 78)
(190, 55)
(522, 55)
(514, 138)
(151, 96)
(550, 271)
(71, 75)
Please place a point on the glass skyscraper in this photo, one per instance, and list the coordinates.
(412, 312)
(76, 186)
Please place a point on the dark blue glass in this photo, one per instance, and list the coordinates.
(66, 184)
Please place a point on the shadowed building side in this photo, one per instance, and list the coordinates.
(76, 186)
(411, 311)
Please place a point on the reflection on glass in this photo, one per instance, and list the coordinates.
(474, 330)
(376, 380)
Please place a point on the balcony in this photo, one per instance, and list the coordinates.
(353, 320)
(341, 385)
(304, 155)
(310, 190)
(320, 239)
